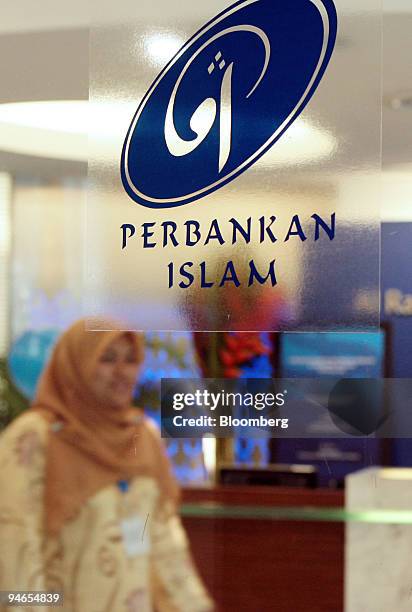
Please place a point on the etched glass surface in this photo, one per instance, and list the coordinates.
(241, 193)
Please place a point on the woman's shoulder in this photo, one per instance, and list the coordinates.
(30, 424)
(150, 426)
(23, 446)
(151, 433)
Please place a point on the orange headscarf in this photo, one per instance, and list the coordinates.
(90, 445)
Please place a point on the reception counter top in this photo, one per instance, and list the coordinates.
(265, 496)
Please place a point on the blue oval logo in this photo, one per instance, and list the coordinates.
(225, 98)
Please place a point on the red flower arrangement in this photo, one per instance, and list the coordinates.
(222, 354)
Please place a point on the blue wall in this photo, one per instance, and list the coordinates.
(397, 275)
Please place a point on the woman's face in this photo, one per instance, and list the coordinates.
(116, 373)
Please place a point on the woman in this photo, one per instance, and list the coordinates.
(87, 500)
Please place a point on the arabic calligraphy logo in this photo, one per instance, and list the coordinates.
(225, 98)
(207, 110)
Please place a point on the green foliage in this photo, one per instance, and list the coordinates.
(12, 402)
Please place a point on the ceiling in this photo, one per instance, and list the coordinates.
(46, 44)
(21, 16)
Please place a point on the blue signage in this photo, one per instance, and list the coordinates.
(334, 355)
(225, 98)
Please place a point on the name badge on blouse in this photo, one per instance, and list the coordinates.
(135, 535)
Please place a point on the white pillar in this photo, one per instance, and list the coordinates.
(378, 554)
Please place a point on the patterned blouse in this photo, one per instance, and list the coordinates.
(120, 554)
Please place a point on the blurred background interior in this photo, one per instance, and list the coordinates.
(292, 531)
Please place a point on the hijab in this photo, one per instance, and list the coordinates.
(92, 445)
